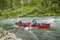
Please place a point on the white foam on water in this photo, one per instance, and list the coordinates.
(44, 34)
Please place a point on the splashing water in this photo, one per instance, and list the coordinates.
(40, 34)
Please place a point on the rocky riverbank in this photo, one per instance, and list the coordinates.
(5, 35)
(15, 34)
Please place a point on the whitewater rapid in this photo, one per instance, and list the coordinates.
(36, 34)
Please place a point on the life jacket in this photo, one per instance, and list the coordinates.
(34, 21)
(20, 22)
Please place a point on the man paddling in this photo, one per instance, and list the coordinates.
(20, 22)
(34, 22)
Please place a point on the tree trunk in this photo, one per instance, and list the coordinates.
(22, 2)
(29, 1)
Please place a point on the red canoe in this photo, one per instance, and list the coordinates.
(45, 25)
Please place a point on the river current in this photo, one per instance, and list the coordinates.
(53, 33)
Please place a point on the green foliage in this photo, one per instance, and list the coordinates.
(16, 8)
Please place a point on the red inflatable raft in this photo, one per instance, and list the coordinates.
(45, 25)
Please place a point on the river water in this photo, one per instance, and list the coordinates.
(53, 33)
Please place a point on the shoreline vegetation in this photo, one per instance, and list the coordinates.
(29, 8)
(38, 15)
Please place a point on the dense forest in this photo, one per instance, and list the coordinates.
(25, 8)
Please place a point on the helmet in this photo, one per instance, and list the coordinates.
(34, 19)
